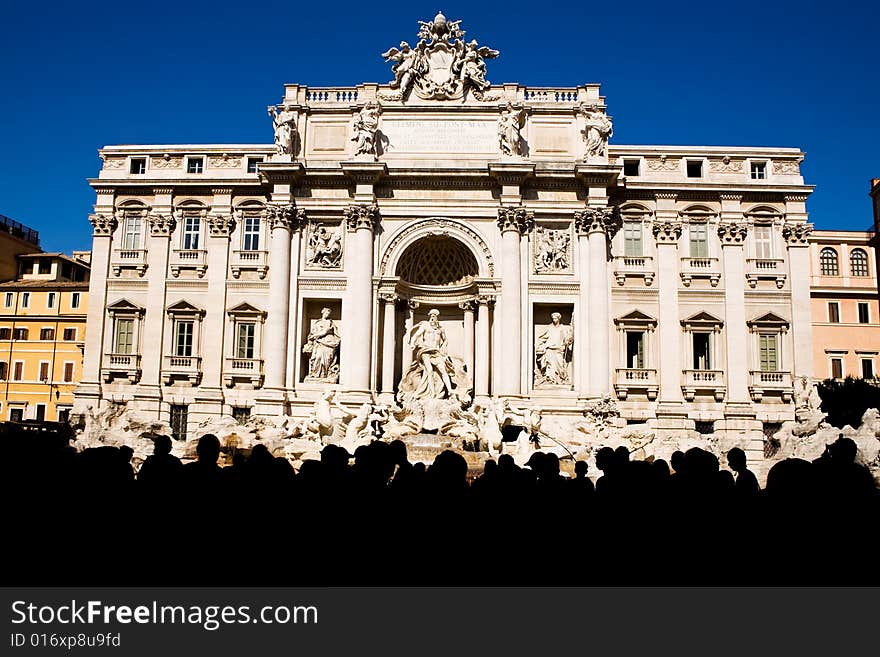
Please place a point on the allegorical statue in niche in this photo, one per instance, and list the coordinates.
(324, 248)
(322, 345)
(285, 130)
(510, 127)
(553, 351)
(597, 131)
(552, 250)
(433, 373)
(366, 130)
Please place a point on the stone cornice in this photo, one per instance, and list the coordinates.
(732, 232)
(102, 225)
(515, 218)
(797, 234)
(730, 196)
(359, 217)
(667, 232)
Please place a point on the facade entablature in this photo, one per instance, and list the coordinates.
(714, 165)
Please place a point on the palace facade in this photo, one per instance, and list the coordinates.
(242, 280)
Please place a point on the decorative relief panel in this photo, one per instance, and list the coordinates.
(662, 163)
(324, 246)
(224, 162)
(552, 250)
(114, 162)
(726, 165)
(166, 162)
(787, 168)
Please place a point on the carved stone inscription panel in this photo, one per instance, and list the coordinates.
(433, 136)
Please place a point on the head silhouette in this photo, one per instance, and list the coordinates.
(580, 469)
(736, 458)
(161, 445)
(208, 449)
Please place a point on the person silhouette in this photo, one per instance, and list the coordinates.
(746, 485)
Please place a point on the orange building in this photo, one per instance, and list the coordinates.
(845, 306)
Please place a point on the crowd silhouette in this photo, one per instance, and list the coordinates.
(375, 517)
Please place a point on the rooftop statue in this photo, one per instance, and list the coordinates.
(442, 66)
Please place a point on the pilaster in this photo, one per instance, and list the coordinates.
(513, 222)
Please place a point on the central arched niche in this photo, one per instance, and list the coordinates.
(437, 261)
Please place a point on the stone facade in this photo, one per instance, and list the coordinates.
(679, 271)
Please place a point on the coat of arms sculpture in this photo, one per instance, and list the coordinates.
(442, 66)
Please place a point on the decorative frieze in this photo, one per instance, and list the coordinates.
(726, 165)
(662, 163)
(552, 254)
(361, 216)
(324, 246)
(113, 162)
(796, 234)
(515, 218)
(225, 161)
(732, 232)
(787, 167)
(166, 162)
(102, 225)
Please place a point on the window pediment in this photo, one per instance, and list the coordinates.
(635, 320)
(768, 321)
(245, 310)
(184, 308)
(702, 320)
(124, 307)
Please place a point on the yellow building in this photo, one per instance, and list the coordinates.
(845, 308)
(42, 333)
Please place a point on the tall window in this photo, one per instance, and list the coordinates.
(25, 299)
(253, 163)
(18, 371)
(9, 299)
(867, 368)
(763, 242)
(632, 238)
(124, 336)
(864, 313)
(833, 312)
(44, 371)
(244, 343)
(183, 337)
(768, 352)
(131, 238)
(699, 235)
(68, 372)
(635, 350)
(759, 170)
(858, 262)
(50, 300)
(702, 355)
(4, 371)
(191, 225)
(74, 300)
(828, 262)
(178, 421)
(251, 234)
(837, 368)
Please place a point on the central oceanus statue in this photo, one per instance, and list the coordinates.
(433, 373)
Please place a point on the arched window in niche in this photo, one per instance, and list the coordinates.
(858, 262)
(828, 262)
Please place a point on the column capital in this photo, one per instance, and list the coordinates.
(220, 225)
(161, 225)
(485, 299)
(102, 225)
(288, 217)
(412, 304)
(360, 216)
(796, 234)
(597, 220)
(667, 232)
(470, 304)
(732, 232)
(515, 218)
(388, 296)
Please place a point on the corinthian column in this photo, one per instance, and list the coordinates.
(102, 235)
(161, 227)
(482, 357)
(283, 220)
(796, 236)
(361, 221)
(512, 222)
(667, 233)
(598, 225)
(733, 235)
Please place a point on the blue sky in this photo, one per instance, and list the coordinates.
(76, 76)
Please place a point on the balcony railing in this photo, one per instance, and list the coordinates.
(703, 380)
(638, 266)
(765, 269)
(249, 260)
(243, 369)
(121, 366)
(635, 379)
(129, 259)
(188, 259)
(181, 367)
(692, 268)
(773, 381)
